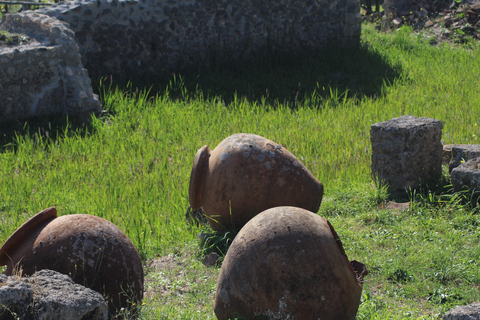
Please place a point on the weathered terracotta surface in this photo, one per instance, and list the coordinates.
(91, 250)
(288, 263)
(247, 174)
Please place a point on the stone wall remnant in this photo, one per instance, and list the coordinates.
(134, 38)
(49, 294)
(406, 152)
(461, 153)
(43, 75)
(467, 176)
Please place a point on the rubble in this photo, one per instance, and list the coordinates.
(456, 21)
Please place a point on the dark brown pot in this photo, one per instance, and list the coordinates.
(92, 251)
(288, 263)
(247, 174)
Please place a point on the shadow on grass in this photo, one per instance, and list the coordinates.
(40, 128)
(284, 78)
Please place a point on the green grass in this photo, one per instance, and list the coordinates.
(132, 167)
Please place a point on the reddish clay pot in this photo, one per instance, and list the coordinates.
(247, 174)
(92, 251)
(288, 263)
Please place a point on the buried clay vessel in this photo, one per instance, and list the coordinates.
(92, 251)
(247, 174)
(288, 263)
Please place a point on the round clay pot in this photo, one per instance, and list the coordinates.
(247, 174)
(92, 251)
(288, 263)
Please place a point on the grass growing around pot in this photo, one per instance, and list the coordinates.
(132, 167)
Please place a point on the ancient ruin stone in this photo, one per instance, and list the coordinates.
(406, 152)
(466, 176)
(461, 153)
(44, 74)
(15, 299)
(469, 312)
(49, 295)
(288, 263)
(130, 38)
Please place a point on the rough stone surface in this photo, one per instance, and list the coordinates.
(447, 154)
(461, 153)
(16, 298)
(466, 176)
(406, 152)
(470, 312)
(49, 295)
(130, 38)
(288, 263)
(44, 75)
(211, 259)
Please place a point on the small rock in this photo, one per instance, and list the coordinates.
(448, 21)
(397, 21)
(469, 312)
(466, 175)
(211, 259)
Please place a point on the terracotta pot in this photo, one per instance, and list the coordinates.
(247, 174)
(288, 263)
(92, 251)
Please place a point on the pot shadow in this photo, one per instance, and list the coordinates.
(281, 78)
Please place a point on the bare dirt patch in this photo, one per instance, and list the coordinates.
(177, 276)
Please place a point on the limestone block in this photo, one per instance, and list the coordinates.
(469, 312)
(467, 175)
(49, 295)
(147, 38)
(406, 152)
(15, 299)
(461, 153)
(43, 75)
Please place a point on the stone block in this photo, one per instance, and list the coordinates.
(461, 153)
(128, 39)
(406, 152)
(466, 175)
(48, 294)
(42, 74)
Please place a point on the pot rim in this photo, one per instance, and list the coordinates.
(197, 177)
(25, 230)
